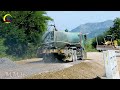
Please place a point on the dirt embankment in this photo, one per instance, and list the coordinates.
(87, 69)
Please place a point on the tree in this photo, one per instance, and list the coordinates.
(66, 30)
(24, 32)
(115, 30)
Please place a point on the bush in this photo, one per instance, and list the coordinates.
(23, 35)
(118, 42)
(100, 40)
(2, 48)
(89, 47)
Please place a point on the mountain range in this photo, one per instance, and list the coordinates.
(94, 29)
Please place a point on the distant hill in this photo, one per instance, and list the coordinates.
(94, 28)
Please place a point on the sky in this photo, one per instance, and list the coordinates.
(71, 19)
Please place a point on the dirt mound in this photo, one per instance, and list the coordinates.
(83, 70)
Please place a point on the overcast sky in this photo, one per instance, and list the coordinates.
(71, 19)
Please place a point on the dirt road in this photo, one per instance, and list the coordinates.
(37, 68)
(31, 67)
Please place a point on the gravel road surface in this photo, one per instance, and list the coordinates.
(90, 68)
(21, 69)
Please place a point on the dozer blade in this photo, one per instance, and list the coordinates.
(104, 48)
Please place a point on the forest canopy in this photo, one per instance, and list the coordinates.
(22, 36)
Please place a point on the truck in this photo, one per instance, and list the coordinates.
(63, 45)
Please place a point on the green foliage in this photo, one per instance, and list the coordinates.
(2, 48)
(89, 47)
(118, 42)
(23, 36)
(99, 39)
(16, 42)
(115, 30)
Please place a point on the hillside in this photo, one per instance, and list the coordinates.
(94, 28)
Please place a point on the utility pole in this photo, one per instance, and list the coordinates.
(96, 38)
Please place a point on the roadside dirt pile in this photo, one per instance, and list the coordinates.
(88, 69)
